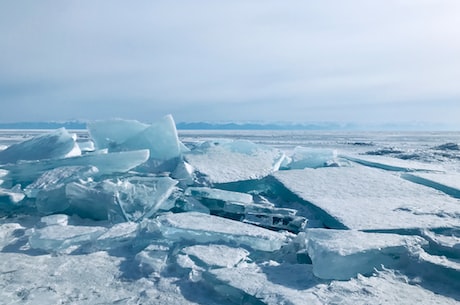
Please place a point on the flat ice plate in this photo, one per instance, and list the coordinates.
(364, 198)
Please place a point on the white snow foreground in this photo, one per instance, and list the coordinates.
(143, 219)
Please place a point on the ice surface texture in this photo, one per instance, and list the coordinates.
(133, 215)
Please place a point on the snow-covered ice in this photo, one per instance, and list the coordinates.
(363, 198)
(134, 213)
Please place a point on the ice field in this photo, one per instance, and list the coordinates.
(132, 213)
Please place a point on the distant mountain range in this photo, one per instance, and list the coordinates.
(245, 126)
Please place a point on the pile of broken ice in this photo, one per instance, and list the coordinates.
(255, 225)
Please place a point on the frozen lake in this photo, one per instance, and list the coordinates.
(239, 217)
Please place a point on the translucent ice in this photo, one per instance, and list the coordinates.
(227, 161)
(14, 195)
(56, 144)
(59, 238)
(140, 197)
(342, 254)
(304, 157)
(111, 133)
(203, 228)
(27, 172)
(216, 256)
(58, 178)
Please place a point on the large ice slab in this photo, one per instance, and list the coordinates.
(363, 198)
(203, 228)
(227, 161)
(448, 183)
(160, 138)
(392, 164)
(120, 162)
(56, 144)
(111, 133)
(342, 254)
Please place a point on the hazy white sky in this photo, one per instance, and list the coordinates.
(210, 60)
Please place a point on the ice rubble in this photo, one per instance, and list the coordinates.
(160, 222)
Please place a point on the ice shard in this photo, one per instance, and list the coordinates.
(392, 164)
(140, 197)
(58, 178)
(228, 161)
(56, 144)
(120, 162)
(203, 228)
(111, 133)
(342, 254)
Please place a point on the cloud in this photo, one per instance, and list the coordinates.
(94, 59)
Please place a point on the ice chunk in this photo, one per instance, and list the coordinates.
(86, 146)
(363, 198)
(342, 254)
(304, 157)
(56, 219)
(160, 138)
(58, 178)
(183, 173)
(58, 238)
(269, 283)
(120, 234)
(27, 172)
(205, 228)
(152, 260)
(111, 133)
(216, 256)
(14, 195)
(240, 206)
(56, 144)
(140, 197)
(89, 202)
(228, 161)
(217, 194)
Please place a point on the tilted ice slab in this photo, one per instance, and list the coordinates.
(342, 254)
(227, 161)
(56, 144)
(140, 197)
(58, 178)
(120, 162)
(111, 133)
(392, 164)
(160, 138)
(448, 183)
(363, 198)
(203, 228)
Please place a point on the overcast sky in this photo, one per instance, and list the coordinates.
(241, 60)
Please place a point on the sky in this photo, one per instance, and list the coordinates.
(383, 61)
